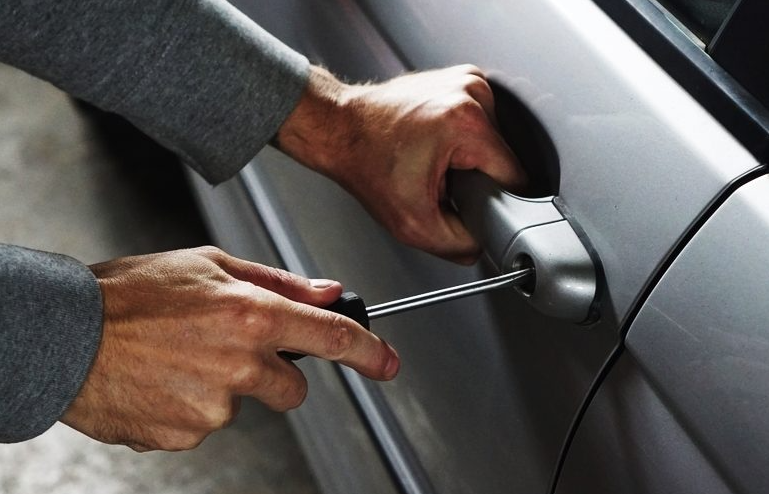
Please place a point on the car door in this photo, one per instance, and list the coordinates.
(683, 406)
(490, 386)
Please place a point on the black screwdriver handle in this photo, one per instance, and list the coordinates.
(350, 305)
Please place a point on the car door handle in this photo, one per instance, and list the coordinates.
(517, 233)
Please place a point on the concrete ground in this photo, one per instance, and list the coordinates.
(86, 187)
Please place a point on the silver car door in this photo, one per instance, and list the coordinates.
(683, 408)
(489, 386)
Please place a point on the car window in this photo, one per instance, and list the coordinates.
(716, 50)
(702, 18)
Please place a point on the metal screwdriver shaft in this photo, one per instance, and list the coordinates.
(352, 306)
(515, 278)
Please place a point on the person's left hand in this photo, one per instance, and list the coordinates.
(187, 333)
(391, 144)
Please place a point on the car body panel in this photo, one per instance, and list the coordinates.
(489, 387)
(630, 442)
(703, 336)
(687, 406)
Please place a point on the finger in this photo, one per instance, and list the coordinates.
(331, 336)
(488, 152)
(279, 384)
(451, 240)
(478, 89)
(318, 292)
(179, 439)
(439, 231)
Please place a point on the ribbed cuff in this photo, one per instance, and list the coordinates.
(50, 326)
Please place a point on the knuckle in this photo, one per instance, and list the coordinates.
(280, 277)
(468, 117)
(467, 111)
(186, 441)
(178, 440)
(472, 82)
(201, 265)
(411, 231)
(245, 378)
(339, 338)
(239, 312)
(218, 417)
(407, 228)
(249, 312)
(210, 252)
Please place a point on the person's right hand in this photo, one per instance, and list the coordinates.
(186, 333)
(392, 144)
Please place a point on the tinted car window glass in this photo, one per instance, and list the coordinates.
(701, 17)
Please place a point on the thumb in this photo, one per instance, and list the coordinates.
(317, 292)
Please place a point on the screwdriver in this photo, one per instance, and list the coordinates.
(353, 306)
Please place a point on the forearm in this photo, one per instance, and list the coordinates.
(50, 327)
(320, 131)
(196, 75)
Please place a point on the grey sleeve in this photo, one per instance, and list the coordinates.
(50, 328)
(197, 75)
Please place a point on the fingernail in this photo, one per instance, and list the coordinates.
(393, 364)
(321, 283)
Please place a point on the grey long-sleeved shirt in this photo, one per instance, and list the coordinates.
(196, 75)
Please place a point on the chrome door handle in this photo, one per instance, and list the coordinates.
(518, 232)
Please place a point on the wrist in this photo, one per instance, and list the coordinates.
(321, 129)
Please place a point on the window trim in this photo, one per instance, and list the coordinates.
(741, 47)
(717, 91)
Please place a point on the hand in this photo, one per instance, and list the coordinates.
(391, 144)
(188, 332)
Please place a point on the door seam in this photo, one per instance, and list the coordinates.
(672, 255)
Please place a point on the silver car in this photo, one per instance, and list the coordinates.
(637, 361)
